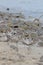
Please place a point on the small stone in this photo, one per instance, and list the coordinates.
(15, 26)
(40, 44)
(41, 59)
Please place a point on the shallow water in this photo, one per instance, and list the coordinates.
(28, 7)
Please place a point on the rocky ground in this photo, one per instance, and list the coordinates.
(21, 41)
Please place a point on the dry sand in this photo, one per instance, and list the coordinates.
(12, 54)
